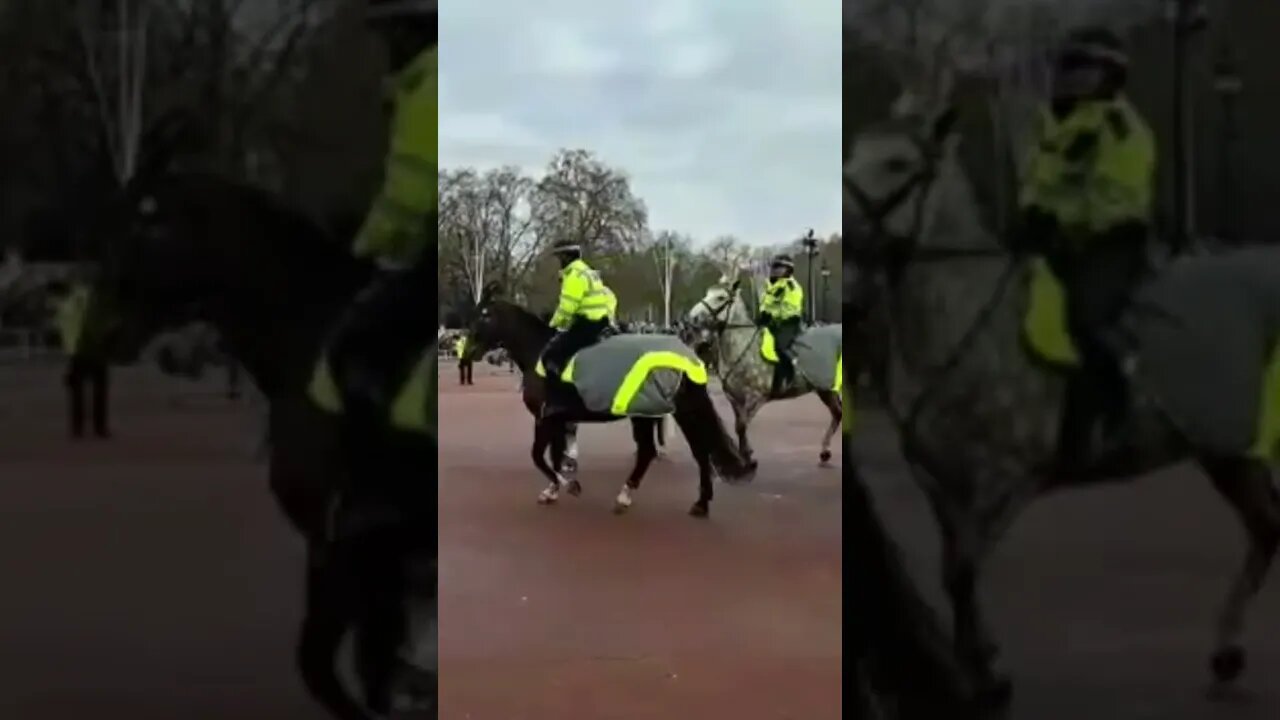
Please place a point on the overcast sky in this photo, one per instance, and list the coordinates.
(726, 114)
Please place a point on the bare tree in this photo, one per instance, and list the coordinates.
(486, 228)
(580, 199)
(114, 39)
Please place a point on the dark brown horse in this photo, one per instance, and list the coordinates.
(525, 335)
(188, 248)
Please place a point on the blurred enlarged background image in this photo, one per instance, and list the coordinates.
(1124, 600)
(148, 569)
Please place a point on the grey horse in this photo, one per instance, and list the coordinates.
(977, 414)
(734, 341)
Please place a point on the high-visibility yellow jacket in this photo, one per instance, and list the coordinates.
(1093, 169)
(783, 299)
(70, 318)
(582, 294)
(400, 225)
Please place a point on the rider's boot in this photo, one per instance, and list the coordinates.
(782, 374)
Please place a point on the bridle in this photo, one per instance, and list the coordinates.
(718, 327)
(891, 254)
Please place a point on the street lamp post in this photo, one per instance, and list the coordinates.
(1188, 18)
(1227, 84)
(826, 279)
(810, 244)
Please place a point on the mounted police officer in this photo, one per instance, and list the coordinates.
(584, 312)
(1087, 204)
(378, 341)
(781, 307)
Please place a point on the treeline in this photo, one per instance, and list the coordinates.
(496, 225)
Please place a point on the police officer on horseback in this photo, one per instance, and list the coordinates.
(584, 313)
(781, 307)
(379, 338)
(1087, 204)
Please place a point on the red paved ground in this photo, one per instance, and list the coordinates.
(572, 613)
(149, 578)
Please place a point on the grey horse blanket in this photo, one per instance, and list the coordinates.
(1208, 329)
(819, 354)
(634, 375)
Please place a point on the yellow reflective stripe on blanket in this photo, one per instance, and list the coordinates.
(567, 375)
(839, 386)
(693, 369)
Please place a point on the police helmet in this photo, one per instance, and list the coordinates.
(1095, 45)
(567, 248)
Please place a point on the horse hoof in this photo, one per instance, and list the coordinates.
(699, 510)
(620, 508)
(575, 488)
(1228, 663)
(547, 499)
(825, 457)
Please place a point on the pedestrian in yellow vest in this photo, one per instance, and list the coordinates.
(81, 369)
(464, 361)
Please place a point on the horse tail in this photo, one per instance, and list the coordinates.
(700, 422)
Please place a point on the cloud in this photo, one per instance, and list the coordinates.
(726, 114)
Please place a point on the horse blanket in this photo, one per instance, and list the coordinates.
(632, 375)
(819, 354)
(414, 408)
(1208, 328)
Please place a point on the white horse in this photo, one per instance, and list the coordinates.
(735, 342)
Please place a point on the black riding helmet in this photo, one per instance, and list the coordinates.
(408, 26)
(781, 266)
(1088, 50)
(566, 252)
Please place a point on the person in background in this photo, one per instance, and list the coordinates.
(82, 370)
(465, 362)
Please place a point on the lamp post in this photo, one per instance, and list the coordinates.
(1227, 84)
(1188, 18)
(810, 244)
(826, 280)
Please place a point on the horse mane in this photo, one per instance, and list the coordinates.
(535, 324)
(293, 232)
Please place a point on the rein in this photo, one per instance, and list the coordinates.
(720, 328)
(895, 262)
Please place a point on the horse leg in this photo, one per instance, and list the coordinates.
(642, 432)
(742, 416)
(965, 547)
(325, 622)
(381, 626)
(560, 462)
(1246, 485)
(695, 435)
(569, 467)
(542, 434)
(832, 402)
